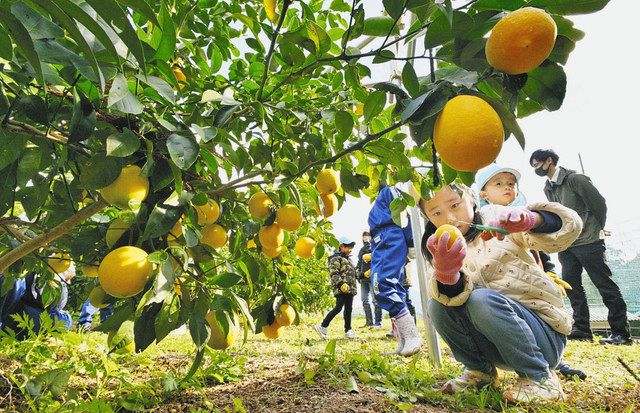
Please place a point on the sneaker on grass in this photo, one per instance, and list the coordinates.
(527, 390)
(322, 331)
(471, 379)
(351, 334)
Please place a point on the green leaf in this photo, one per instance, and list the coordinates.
(121, 98)
(22, 39)
(440, 31)
(374, 105)
(198, 326)
(120, 315)
(161, 86)
(224, 115)
(509, 121)
(167, 44)
(142, 329)
(98, 172)
(547, 85)
(113, 14)
(352, 385)
(182, 150)
(508, 5)
(12, 146)
(467, 178)
(74, 32)
(34, 107)
(394, 7)
(197, 361)
(226, 279)
(36, 24)
(160, 222)
(344, 123)
(83, 119)
(142, 7)
(457, 76)
(319, 37)
(427, 104)
(448, 172)
(6, 51)
(91, 24)
(33, 197)
(410, 79)
(122, 144)
(380, 26)
(568, 7)
(31, 163)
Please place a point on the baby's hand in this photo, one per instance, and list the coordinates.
(513, 220)
(447, 262)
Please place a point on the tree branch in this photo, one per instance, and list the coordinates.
(48, 237)
(55, 137)
(274, 37)
(346, 41)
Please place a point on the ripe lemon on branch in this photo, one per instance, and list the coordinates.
(59, 262)
(468, 133)
(305, 247)
(214, 236)
(289, 217)
(271, 331)
(208, 213)
(286, 316)
(218, 339)
(328, 182)
(124, 271)
(521, 41)
(271, 236)
(260, 205)
(129, 189)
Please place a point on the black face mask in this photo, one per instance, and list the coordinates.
(540, 171)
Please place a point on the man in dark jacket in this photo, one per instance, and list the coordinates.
(364, 276)
(576, 191)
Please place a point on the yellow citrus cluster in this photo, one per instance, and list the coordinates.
(284, 317)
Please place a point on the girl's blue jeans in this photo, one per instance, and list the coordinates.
(491, 329)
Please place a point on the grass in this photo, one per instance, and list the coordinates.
(68, 371)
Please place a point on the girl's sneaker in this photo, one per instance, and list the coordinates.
(470, 378)
(322, 331)
(526, 390)
(350, 334)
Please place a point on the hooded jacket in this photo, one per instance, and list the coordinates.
(342, 271)
(508, 267)
(576, 191)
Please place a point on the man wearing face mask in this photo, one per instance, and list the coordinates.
(588, 252)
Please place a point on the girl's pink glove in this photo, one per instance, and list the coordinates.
(447, 262)
(513, 220)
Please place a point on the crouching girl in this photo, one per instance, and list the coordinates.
(491, 303)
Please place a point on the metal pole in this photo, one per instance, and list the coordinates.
(433, 346)
(581, 165)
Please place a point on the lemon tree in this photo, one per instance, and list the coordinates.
(223, 134)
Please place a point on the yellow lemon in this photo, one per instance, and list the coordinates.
(129, 189)
(271, 236)
(272, 252)
(521, 41)
(218, 339)
(124, 271)
(271, 331)
(454, 233)
(98, 297)
(286, 316)
(305, 247)
(208, 213)
(328, 182)
(214, 236)
(117, 229)
(260, 205)
(59, 262)
(468, 133)
(289, 217)
(330, 204)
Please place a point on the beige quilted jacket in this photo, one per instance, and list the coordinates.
(509, 267)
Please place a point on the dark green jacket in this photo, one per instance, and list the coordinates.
(342, 271)
(576, 191)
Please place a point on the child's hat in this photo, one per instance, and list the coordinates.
(483, 175)
(346, 241)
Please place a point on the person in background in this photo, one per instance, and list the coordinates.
(588, 252)
(344, 283)
(363, 269)
(389, 248)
